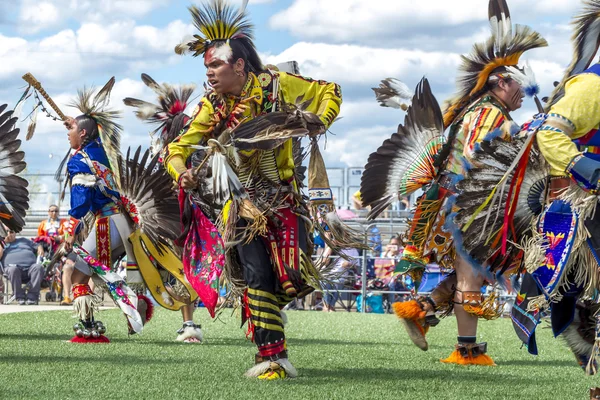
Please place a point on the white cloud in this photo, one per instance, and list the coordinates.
(36, 16)
(68, 55)
(364, 65)
(384, 22)
(352, 147)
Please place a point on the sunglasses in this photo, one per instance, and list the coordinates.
(52, 210)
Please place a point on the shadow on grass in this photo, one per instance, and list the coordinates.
(103, 359)
(35, 336)
(540, 363)
(304, 341)
(324, 376)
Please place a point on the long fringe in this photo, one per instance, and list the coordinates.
(84, 307)
(592, 366)
(489, 309)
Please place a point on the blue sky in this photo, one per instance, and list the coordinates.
(70, 43)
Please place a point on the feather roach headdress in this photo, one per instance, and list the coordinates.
(503, 49)
(586, 40)
(172, 102)
(95, 107)
(216, 21)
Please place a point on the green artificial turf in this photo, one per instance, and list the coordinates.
(338, 355)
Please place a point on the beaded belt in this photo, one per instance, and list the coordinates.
(108, 210)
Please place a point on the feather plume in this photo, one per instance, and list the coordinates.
(217, 20)
(393, 93)
(109, 131)
(103, 95)
(586, 39)
(525, 78)
(152, 84)
(504, 48)
(19, 107)
(172, 101)
(14, 196)
(32, 124)
(404, 162)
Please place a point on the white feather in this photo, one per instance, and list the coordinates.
(190, 332)
(223, 53)
(525, 78)
(401, 89)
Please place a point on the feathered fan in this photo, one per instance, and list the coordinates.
(495, 161)
(404, 162)
(172, 101)
(14, 196)
(148, 198)
(272, 129)
(586, 40)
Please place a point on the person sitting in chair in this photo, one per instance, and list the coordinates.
(19, 259)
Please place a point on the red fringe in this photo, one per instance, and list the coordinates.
(246, 316)
(149, 307)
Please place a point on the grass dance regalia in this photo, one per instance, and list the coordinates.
(561, 236)
(169, 114)
(248, 205)
(130, 204)
(420, 156)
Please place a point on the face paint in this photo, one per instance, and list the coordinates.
(516, 95)
(223, 53)
(221, 75)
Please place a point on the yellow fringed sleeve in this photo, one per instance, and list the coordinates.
(325, 97)
(325, 101)
(176, 154)
(576, 114)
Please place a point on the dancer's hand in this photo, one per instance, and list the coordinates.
(68, 122)
(69, 243)
(187, 180)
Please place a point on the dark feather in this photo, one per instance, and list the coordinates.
(172, 102)
(147, 185)
(493, 159)
(152, 84)
(507, 42)
(14, 196)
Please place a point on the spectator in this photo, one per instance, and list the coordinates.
(392, 250)
(357, 201)
(340, 273)
(19, 259)
(51, 230)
